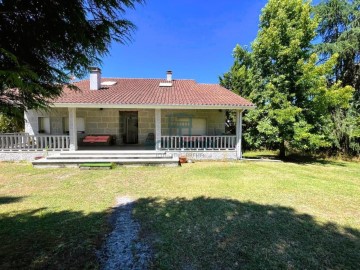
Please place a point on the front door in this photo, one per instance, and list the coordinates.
(131, 127)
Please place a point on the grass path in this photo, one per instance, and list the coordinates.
(202, 215)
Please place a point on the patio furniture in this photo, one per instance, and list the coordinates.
(97, 140)
(150, 139)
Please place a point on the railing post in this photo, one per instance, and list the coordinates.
(157, 129)
(238, 134)
(73, 129)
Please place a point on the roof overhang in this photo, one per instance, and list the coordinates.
(151, 106)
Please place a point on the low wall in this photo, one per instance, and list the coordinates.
(23, 155)
(206, 155)
(192, 155)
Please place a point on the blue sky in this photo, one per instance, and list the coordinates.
(194, 39)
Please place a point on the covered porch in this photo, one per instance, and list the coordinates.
(160, 129)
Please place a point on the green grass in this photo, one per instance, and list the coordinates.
(248, 215)
(98, 165)
(261, 154)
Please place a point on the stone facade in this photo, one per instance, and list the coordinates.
(111, 121)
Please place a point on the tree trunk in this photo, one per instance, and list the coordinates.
(282, 149)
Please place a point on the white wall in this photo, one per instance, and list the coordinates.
(55, 118)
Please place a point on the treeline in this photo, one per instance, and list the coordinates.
(302, 72)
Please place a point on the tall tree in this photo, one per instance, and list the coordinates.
(238, 79)
(339, 29)
(43, 42)
(289, 88)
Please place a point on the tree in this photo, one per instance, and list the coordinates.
(292, 91)
(238, 79)
(43, 42)
(10, 124)
(285, 81)
(339, 29)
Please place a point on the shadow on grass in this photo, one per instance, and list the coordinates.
(40, 239)
(261, 157)
(207, 233)
(7, 199)
(306, 160)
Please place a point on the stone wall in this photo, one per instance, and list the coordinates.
(105, 121)
(206, 155)
(146, 124)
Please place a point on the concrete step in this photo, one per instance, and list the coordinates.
(75, 158)
(58, 163)
(112, 156)
(112, 152)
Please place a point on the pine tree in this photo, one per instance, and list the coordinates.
(339, 29)
(43, 42)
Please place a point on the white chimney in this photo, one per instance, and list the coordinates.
(169, 75)
(95, 78)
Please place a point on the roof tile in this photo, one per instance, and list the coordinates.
(148, 92)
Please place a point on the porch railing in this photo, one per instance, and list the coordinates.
(198, 142)
(24, 141)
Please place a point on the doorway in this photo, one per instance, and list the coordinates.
(130, 122)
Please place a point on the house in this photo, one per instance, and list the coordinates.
(174, 115)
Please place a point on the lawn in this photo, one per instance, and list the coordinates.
(205, 215)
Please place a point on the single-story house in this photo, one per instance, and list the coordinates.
(174, 115)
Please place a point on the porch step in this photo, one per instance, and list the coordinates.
(112, 156)
(112, 152)
(74, 159)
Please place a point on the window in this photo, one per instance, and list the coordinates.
(198, 126)
(44, 125)
(80, 124)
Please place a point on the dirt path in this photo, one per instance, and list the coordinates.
(122, 248)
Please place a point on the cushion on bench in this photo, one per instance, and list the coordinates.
(97, 139)
(89, 139)
(102, 138)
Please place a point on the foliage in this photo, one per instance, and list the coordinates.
(292, 93)
(339, 29)
(287, 84)
(42, 43)
(345, 131)
(12, 124)
(238, 79)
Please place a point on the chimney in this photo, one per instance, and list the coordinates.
(95, 78)
(169, 75)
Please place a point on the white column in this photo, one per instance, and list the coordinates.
(73, 129)
(157, 129)
(238, 134)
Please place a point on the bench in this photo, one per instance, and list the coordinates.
(97, 140)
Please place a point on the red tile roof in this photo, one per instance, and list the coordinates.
(148, 92)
